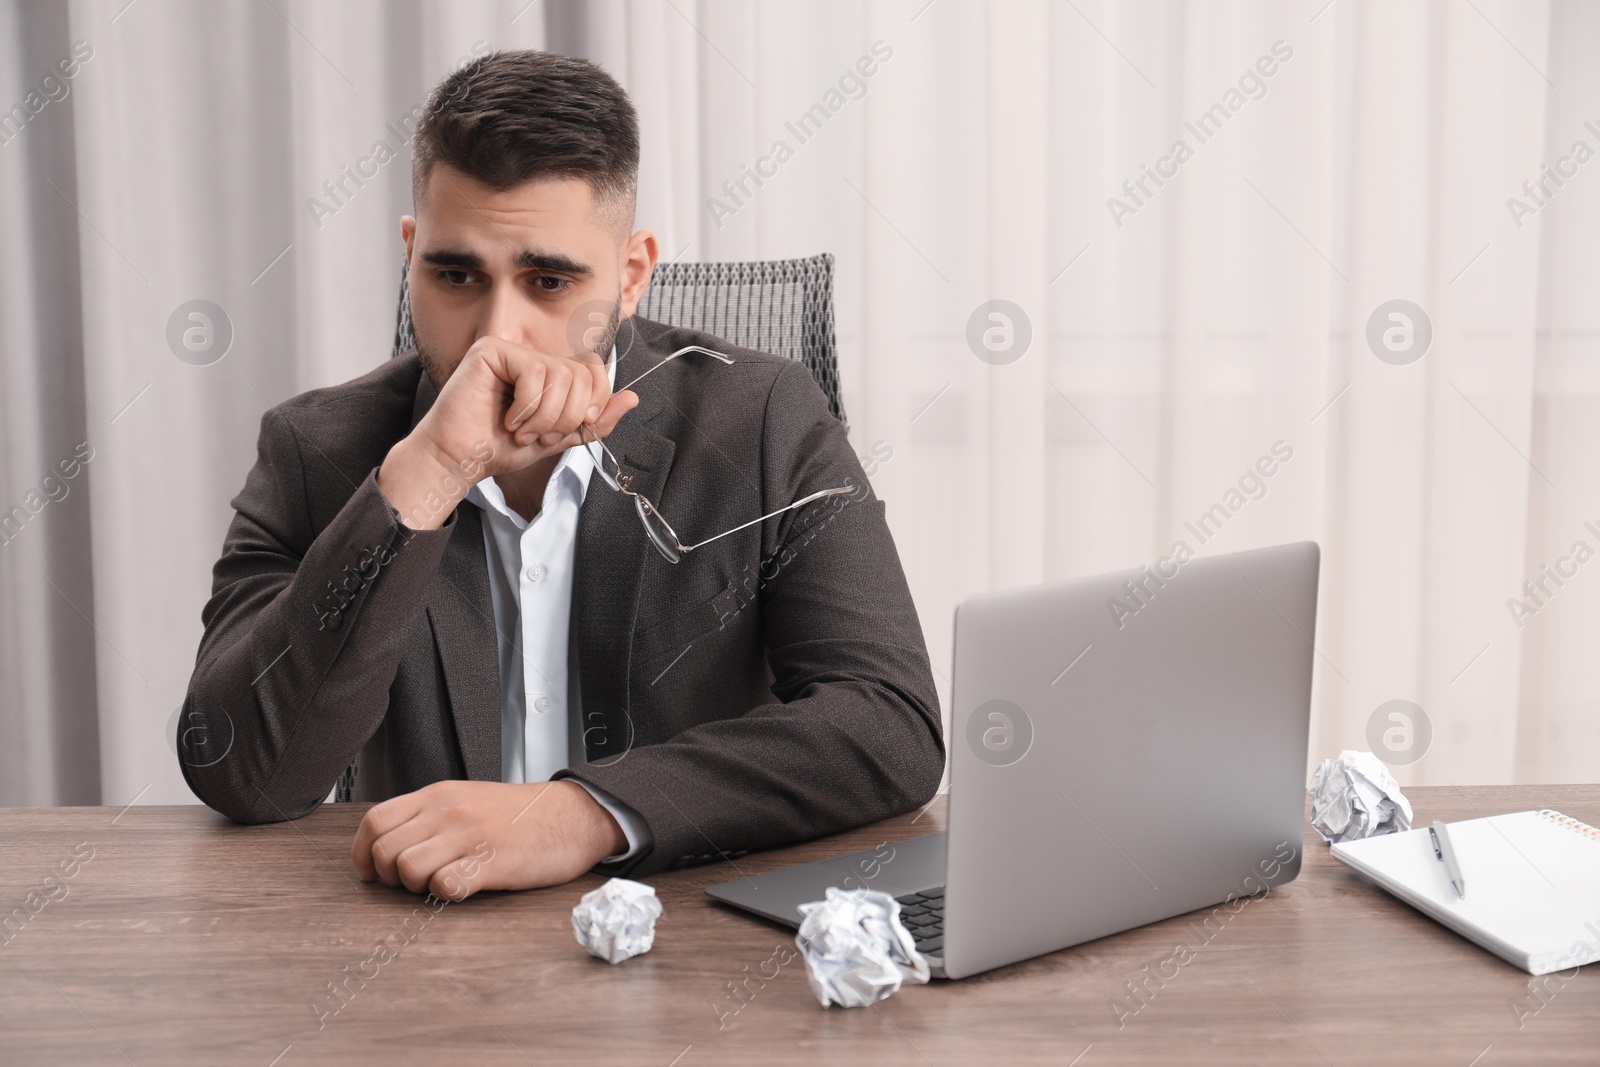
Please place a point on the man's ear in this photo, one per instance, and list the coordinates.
(408, 234)
(638, 263)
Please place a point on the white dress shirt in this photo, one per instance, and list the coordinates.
(530, 583)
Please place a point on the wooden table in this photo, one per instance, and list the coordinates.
(186, 939)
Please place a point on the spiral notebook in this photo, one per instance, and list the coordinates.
(1532, 884)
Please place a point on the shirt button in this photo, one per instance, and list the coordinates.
(535, 573)
(541, 703)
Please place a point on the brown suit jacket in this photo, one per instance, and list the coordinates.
(771, 687)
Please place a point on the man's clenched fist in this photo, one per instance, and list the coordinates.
(455, 838)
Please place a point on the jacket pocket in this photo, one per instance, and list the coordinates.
(661, 641)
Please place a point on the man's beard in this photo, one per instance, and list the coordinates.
(439, 372)
(608, 339)
(432, 365)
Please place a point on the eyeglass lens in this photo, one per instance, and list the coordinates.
(605, 464)
(661, 534)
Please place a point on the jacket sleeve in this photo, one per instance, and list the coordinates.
(856, 735)
(304, 634)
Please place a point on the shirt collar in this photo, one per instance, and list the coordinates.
(576, 464)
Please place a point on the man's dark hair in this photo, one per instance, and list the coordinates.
(511, 117)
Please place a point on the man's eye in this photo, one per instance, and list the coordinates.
(454, 277)
(551, 284)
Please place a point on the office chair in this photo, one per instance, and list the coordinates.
(781, 306)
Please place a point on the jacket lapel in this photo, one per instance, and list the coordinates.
(461, 612)
(611, 554)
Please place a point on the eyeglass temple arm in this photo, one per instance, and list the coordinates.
(798, 503)
(584, 428)
(673, 356)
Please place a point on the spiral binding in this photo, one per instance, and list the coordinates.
(1572, 824)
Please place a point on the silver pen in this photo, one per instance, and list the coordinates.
(1447, 854)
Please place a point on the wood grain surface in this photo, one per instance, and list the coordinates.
(184, 939)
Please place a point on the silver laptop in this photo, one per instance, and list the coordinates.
(1123, 749)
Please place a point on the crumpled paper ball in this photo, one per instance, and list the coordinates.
(1355, 796)
(618, 920)
(856, 949)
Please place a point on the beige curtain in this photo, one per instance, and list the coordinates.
(1191, 313)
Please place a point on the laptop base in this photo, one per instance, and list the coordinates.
(905, 869)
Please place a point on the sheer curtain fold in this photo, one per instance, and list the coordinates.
(1188, 311)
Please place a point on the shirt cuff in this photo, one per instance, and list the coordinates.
(634, 828)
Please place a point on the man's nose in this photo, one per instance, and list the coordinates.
(506, 316)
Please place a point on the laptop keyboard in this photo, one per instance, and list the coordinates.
(923, 914)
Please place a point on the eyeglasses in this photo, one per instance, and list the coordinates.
(655, 525)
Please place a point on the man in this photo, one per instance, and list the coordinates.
(427, 574)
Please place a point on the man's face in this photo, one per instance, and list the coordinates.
(542, 265)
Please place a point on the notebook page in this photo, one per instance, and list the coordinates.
(1568, 853)
(1532, 882)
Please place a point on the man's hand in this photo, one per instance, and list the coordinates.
(455, 838)
(505, 408)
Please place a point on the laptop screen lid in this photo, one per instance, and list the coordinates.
(1126, 748)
